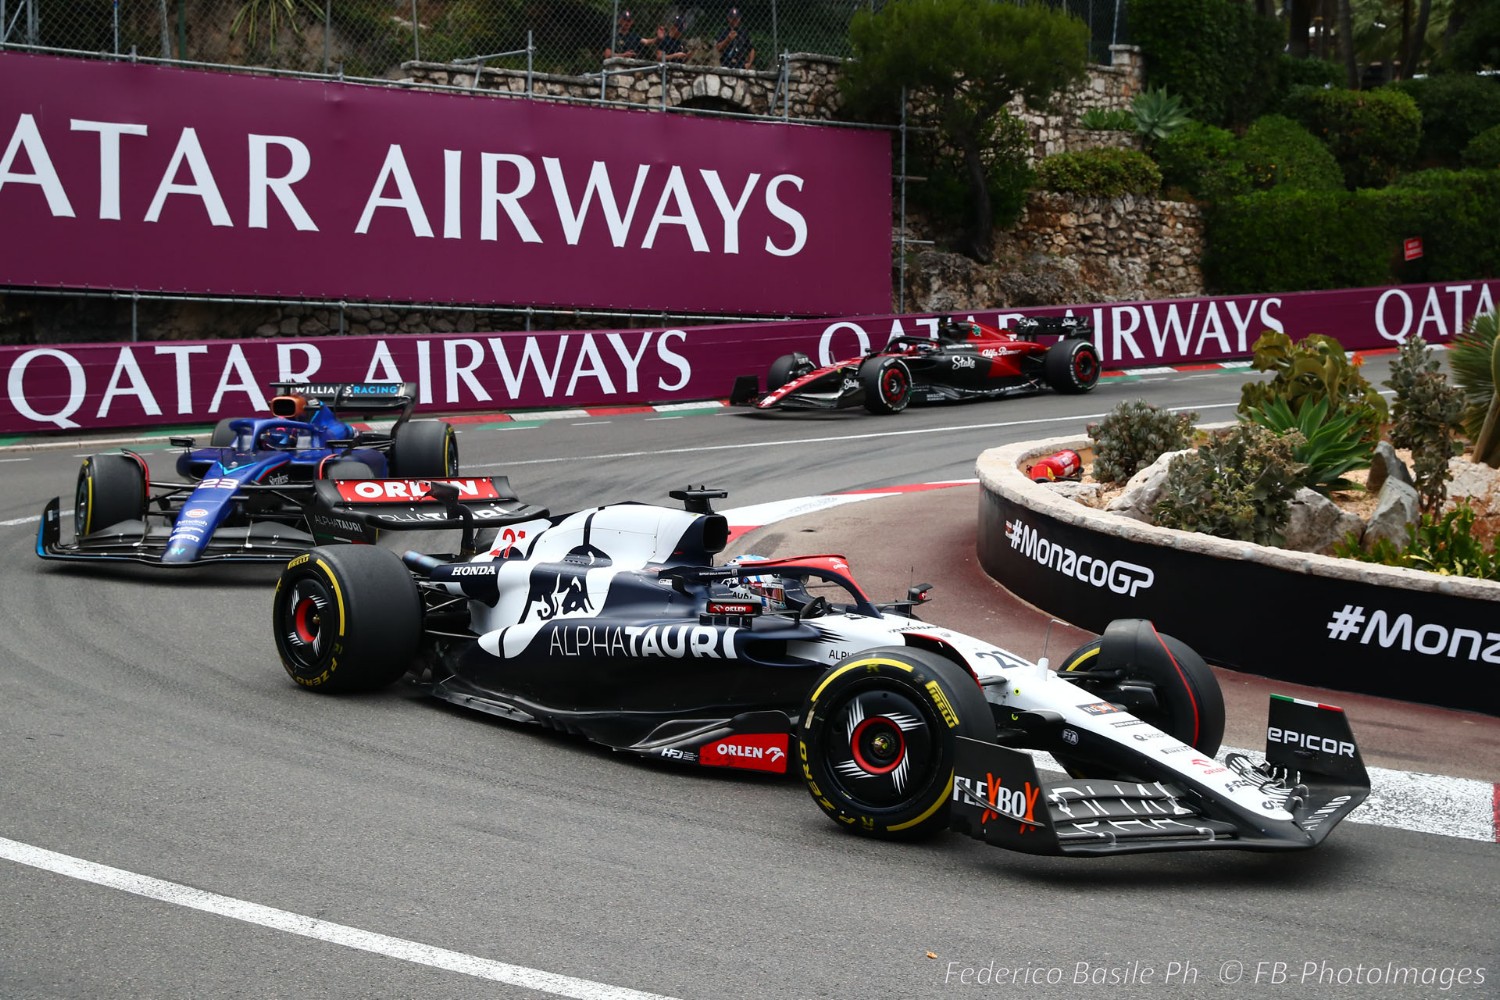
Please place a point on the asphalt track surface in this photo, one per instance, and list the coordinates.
(178, 820)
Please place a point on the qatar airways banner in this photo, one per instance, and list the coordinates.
(135, 177)
(67, 386)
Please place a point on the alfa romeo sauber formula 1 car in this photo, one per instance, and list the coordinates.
(965, 361)
(615, 623)
(246, 497)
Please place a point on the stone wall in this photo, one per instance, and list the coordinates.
(1068, 249)
(809, 90)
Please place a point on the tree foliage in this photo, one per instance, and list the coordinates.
(1221, 56)
(961, 63)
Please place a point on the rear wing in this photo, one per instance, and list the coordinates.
(353, 397)
(1029, 327)
(358, 509)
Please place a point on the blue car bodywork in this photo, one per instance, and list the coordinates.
(248, 496)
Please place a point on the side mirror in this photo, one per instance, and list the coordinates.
(181, 442)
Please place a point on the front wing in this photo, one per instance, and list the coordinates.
(1317, 780)
(146, 542)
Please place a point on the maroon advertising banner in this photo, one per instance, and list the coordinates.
(68, 386)
(136, 177)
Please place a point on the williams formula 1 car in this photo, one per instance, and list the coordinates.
(965, 361)
(616, 624)
(245, 497)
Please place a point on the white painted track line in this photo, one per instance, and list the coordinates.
(312, 927)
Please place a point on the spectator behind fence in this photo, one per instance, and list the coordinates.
(669, 45)
(626, 44)
(736, 50)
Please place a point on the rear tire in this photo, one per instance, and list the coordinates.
(887, 384)
(347, 618)
(111, 489)
(1190, 703)
(878, 740)
(425, 449)
(1071, 366)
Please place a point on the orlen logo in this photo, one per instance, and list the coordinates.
(409, 490)
(752, 752)
(1310, 741)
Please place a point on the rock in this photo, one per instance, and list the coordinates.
(1395, 509)
(1478, 482)
(1315, 523)
(1144, 489)
(1084, 493)
(1385, 463)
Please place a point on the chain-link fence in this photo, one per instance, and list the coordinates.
(372, 38)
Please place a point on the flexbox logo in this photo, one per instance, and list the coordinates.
(1119, 576)
(1379, 628)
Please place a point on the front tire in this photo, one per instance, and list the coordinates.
(223, 435)
(111, 489)
(425, 449)
(347, 618)
(1189, 701)
(878, 740)
(887, 384)
(1071, 366)
(786, 368)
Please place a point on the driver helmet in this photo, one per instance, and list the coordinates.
(769, 589)
(279, 437)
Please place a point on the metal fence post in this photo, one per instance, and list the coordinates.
(135, 326)
(166, 32)
(530, 62)
(416, 33)
(115, 16)
(327, 32)
(775, 31)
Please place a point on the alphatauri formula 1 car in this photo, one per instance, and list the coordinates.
(245, 498)
(965, 361)
(615, 623)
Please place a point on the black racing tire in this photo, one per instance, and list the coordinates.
(347, 618)
(1190, 703)
(887, 384)
(1071, 366)
(111, 489)
(346, 468)
(786, 368)
(878, 740)
(222, 436)
(425, 449)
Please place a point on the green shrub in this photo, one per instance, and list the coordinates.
(1455, 108)
(1483, 151)
(1438, 544)
(1101, 173)
(1157, 113)
(1199, 159)
(1133, 435)
(1373, 134)
(1475, 360)
(1424, 418)
(1314, 369)
(1288, 240)
(1239, 485)
(1220, 55)
(1292, 72)
(1277, 152)
(1107, 120)
(1325, 445)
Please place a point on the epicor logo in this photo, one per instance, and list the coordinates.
(1310, 741)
